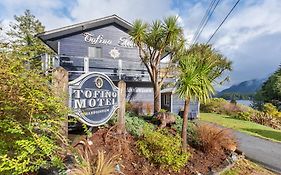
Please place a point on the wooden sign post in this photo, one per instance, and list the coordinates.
(60, 87)
(122, 105)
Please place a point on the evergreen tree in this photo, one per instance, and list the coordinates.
(271, 89)
(2, 38)
(23, 40)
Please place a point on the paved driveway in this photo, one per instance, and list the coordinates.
(259, 150)
(262, 151)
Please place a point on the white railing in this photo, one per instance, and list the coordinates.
(108, 66)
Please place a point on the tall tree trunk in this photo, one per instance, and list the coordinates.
(184, 124)
(156, 93)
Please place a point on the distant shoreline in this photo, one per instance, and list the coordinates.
(243, 102)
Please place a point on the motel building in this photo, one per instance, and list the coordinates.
(104, 45)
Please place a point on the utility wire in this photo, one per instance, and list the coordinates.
(223, 20)
(206, 22)
(203, 20)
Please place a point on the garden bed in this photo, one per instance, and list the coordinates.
(132, 163)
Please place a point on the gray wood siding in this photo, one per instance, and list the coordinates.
(73, 50)
(178, 105)
(136, 94)
(75, 45)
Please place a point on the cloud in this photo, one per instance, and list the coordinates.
(249, 22)
(249, 37)
(127, 9)
(46, 11)
(58, 13)
(258, 57)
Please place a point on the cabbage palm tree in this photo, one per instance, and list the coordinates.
(200, 67)
(154, 41)
(194, 84)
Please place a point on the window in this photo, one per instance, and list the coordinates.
(167, 99)
(95, 52)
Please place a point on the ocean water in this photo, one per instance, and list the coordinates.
(244, 102)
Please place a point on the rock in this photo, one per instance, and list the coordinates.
(51, 171)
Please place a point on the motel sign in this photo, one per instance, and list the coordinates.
(93, 98)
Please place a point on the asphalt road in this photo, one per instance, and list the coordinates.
(262, 151)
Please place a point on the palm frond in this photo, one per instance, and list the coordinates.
(194, 81)
(139, 31)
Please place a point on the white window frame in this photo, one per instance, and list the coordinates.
(166, 101)
(98, 48)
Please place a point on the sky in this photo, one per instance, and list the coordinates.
(250, 38)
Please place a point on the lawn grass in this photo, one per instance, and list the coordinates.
(243, 126)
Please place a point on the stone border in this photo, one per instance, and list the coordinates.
(231, 160)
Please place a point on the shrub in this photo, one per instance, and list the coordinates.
(148, 108)
(113, 120)
(132, 107)
(139, 108)
(269, 117)
(135, 124)
(243, 116)
(129, 107)
(221, 106)
(31, 119)
(178, 124)
(267, 120)
(213, 139)
(163, 148)
(192, 137)
(271, 110)
(260, 118)
(82, 167)
(213, 106)
(233, 101)
(163, 111)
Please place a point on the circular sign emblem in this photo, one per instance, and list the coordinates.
(93, 98)
(99, 82)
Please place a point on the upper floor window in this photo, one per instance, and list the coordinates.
(95, 52)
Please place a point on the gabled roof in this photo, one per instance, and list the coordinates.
(49, 37)
(84, 26)
(168, 90)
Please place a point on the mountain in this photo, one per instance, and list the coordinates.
(249, 87)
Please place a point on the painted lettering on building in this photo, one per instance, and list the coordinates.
(99, 39)
(124, 41)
